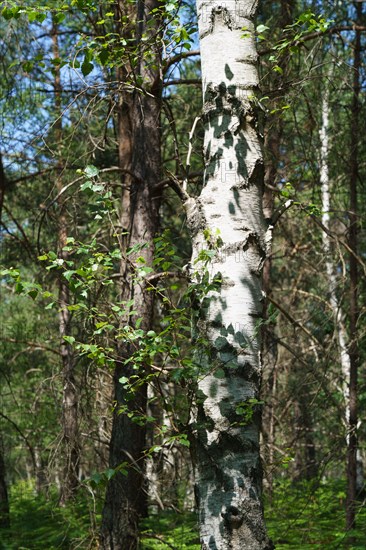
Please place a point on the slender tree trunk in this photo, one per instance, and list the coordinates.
(269, 345)
(353, 268)
(342, 337)
(344, 342)
(4, 501)
(70, 422)
(3, 186)
(41, 478)
(272, 142)
(126, 497)
(227, 219)
(305, 466)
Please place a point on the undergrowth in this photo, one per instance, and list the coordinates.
(301, 516)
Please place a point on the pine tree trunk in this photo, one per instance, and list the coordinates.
(126, 498)
(139, 152)
(227, 219)
(272, 148)
(70, 398)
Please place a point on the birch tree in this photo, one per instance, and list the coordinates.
(229, 249)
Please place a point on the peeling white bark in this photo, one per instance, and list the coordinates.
(228, 218)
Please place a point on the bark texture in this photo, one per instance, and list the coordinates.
(272, 149)
(139, 153)
(353, 273)
(227, 219)
(70, 395)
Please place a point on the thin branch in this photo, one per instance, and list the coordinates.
(166, 181)
(169, 274)
(34, 345)
(25, 242)
(189, 153)
(176, 185)
(340, 241)
(292, 320)
(33, 175)
(178, 81)
(176, 58)
(23, 436)
(311, 36)
(281, 210)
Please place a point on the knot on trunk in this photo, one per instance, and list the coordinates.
(233, 517)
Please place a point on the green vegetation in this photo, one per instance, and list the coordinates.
(306, 515)
(72, 329)
(38, 522)
(311, 515)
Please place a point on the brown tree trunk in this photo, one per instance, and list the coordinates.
(3, 185)
(353, 268)
(272, 142)
(306, 467)
(4, 501)
(139, 152)
(70, 423)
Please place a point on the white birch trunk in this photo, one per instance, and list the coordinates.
(341, 332)
(225, 430)
(331, 276)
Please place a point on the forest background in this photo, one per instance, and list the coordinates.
(86, 358)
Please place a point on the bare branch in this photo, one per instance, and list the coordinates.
(176, 58)
(34, 345)
(313, 35)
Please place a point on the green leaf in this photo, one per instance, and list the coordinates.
(32, 16)
(86, 67)
(96, 478)
(68, 274)
(19, 287)
(109, 473)
(40, 17)
(59, 17)
(221, 342)
(184, 441)
(262, 28)
(33, 293)
(9, 13)
(86, 185)
(219, 373)
(104, 56)
(91, 171)
(28, 66)
(277, 69)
